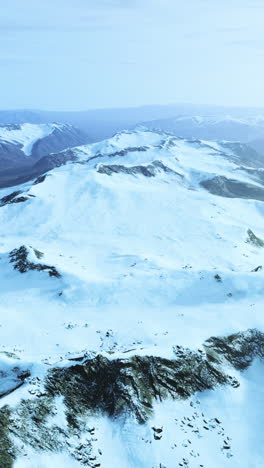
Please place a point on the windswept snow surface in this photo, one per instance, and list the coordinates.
(138, 258)
(26, 134)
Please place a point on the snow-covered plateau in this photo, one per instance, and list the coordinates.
(131, 311)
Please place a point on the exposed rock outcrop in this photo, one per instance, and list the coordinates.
(15, 197)
(149, 170)
(232, 188)
(254, 240)
(117, 387)
(21, 262)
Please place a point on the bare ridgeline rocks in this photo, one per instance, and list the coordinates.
(15, 197)
(117, 388)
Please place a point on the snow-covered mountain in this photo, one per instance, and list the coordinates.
(247, 129)
(132, 330)
(24, 144)
(187, 120)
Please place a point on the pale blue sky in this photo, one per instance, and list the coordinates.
(81, 54)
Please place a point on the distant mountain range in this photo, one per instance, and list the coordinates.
(187, 120)
(28, 150)
(249, 129)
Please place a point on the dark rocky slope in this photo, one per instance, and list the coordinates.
(117, 388)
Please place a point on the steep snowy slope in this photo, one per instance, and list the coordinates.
(25, 135)
(24, 144)
(116, 270)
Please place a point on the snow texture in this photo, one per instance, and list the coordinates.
(146, 263)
